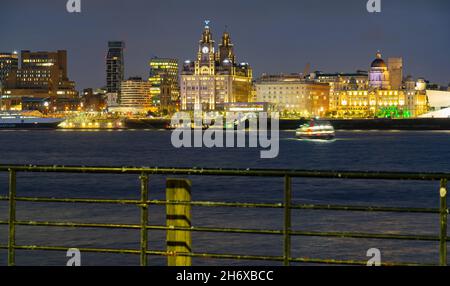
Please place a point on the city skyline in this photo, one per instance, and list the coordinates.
(299, 32)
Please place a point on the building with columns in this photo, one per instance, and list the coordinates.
(215, 78)
(384, 93)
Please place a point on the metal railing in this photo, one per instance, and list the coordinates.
(287, 232)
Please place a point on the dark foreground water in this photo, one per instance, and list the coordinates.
(386, 151)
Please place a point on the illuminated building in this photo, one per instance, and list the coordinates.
(417, 101)
(293, 94)
(369, 103)
(379, 74)
(115, 66)
(382, 93)
(165, 90)
(215, 78)
(41, 75)
(341, 81)
(8, 63)
(438, 99)
(134, 96)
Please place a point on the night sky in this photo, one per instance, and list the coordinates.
(273, 36)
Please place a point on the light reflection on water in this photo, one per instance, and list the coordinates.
(385, 151)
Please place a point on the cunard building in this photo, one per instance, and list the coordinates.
(214, 79)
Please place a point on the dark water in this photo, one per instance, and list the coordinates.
(386, 151)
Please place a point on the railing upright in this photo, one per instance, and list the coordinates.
(287, 220)
(144, 218)
(12, 218)
(443, 223)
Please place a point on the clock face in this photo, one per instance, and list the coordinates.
(205, 50)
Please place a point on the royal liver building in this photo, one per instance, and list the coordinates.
(214, 79)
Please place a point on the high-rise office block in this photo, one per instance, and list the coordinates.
(41, 74)
(163, 77)
(115, 66)
(8, 62)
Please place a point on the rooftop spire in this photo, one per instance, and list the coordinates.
(206, 37)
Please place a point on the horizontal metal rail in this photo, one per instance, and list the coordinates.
(231, 230)
(214, 255)
(143, 203)
(230, 172)
(229, 204)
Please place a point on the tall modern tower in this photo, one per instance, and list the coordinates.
(115, 66)
(163, 77)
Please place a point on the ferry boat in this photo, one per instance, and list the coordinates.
(185, 126)
(23, 121)
(316, 130)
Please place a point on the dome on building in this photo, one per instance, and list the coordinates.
(378, 62)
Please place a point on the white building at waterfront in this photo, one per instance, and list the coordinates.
(215, 78)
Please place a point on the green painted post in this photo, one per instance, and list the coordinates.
(178, 215)
(12, 218)
(287, 220)
(443, 223)
(144, 218)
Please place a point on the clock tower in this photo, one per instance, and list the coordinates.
(205, 64)
(214, 79)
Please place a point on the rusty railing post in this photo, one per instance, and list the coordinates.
(287, 220)
(178, 215)
(144, 218)
(12, 219)
(443, 223)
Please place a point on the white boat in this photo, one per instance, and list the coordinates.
(316, 130)
(23, 121)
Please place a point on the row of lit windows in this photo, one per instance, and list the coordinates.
(365, 103)
(286, 87)
(38, 61)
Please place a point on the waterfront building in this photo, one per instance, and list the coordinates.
(368, 103)
(214, 78)
(438, 99)
(293, 94)
(8, 62)
(340, 81)
(134, 96)
(41, 75)
(165, 89)
(379, 93)
(115, 66)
